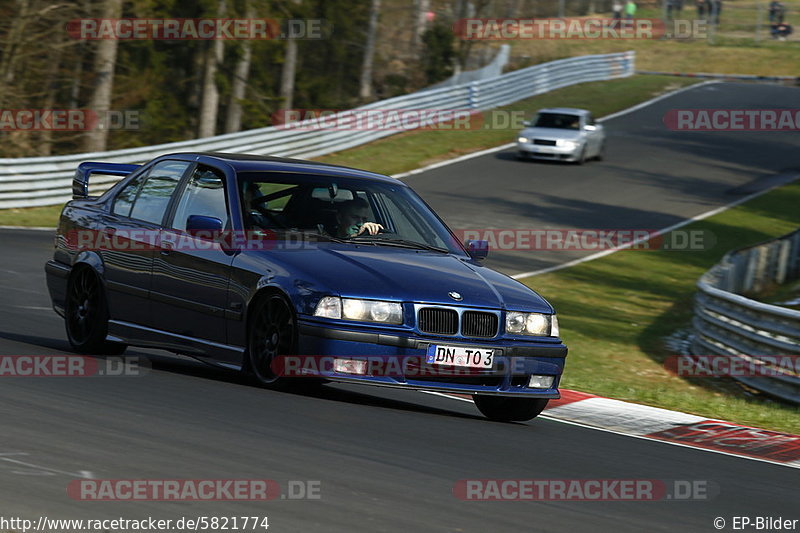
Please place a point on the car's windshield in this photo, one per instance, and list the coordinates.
(557, 120)
(343, 209)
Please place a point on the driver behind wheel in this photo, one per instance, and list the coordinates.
(352, 218)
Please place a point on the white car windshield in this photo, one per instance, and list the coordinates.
(557, 120)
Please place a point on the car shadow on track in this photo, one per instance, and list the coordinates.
(191, 367)
(58, 345)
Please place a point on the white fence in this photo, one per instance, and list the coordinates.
(754, 335)
(39, 181)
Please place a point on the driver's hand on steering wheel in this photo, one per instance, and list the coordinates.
(371, 228)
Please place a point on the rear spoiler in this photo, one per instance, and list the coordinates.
(80, 183)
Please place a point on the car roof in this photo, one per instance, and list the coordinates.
(260, 163)
(566, 110)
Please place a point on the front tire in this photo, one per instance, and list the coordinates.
(505, 409)
(581, 158)
(272, 333)
(86, 315)
(601, 154)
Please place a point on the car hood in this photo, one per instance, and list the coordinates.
(551, 133)
(381, 272)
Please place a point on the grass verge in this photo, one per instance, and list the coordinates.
(615, 313)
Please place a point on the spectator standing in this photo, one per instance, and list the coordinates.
(616, 10)
(776, 12)
(702, 9)
(630, 9)
(715, 10)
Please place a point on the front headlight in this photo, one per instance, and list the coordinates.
(522, 139)
(566, 144)
(362, 310)
(532, 324)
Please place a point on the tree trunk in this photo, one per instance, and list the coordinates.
(233, 119)
(421, 8)
(8, 52)
(54, 70)
(104, 63)
(365, 91)
(209, 108)
(288, 73)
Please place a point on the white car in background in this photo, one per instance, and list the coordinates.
(562, 134)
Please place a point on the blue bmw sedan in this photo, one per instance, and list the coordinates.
(294, 271)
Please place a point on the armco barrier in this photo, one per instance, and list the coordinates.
(729, 324)
(39, 181)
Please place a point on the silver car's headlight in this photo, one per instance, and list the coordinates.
(522, 139)
(362, 310)
(532, 324)
(566, 144)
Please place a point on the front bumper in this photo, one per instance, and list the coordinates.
(401, 358)
(554, 153)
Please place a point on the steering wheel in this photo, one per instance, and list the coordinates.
(258, 205)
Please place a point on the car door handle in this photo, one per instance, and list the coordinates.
(167, 246)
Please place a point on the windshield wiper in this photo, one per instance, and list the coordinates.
(404, 243)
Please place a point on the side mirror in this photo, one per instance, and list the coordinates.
(478, 250)
(203, 227)
(590, 127)
(527, 124)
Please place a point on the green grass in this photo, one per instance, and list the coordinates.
(733, 52)
(615, 313)
(31, 216)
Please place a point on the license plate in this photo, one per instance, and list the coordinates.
(460, 356)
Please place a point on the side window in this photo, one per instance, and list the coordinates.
(204, 195)
(124, 200)
(154, 196)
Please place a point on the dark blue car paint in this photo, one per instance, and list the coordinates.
(196, 302)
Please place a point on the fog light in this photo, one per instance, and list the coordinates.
(541, 382)
(350, 366)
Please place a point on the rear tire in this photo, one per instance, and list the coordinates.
(86, 315)
(505, 409)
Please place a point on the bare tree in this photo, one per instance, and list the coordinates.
(365, 86)
(233, 118)
(288, 74)
(421, 9)
(105, 61)
(209, 107)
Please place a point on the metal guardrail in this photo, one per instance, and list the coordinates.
(39, 181)
(751, 333)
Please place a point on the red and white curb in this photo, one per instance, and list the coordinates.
(673, 427)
